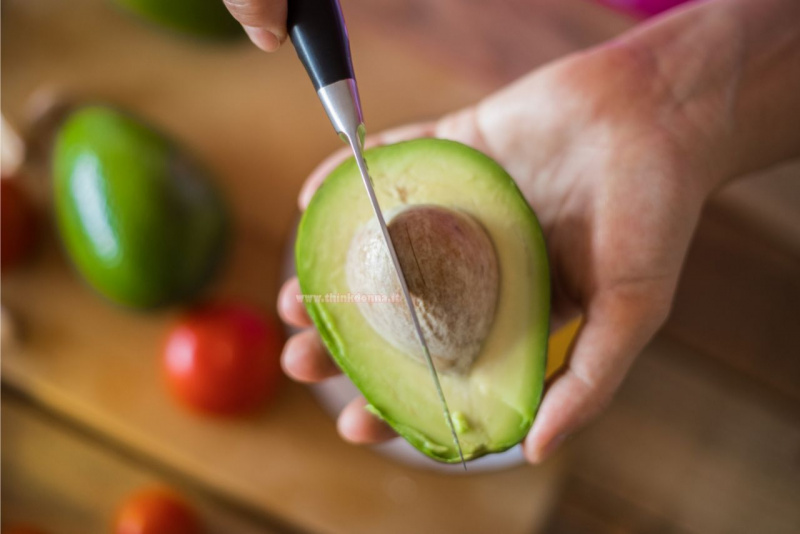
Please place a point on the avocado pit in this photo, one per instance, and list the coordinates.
(451, 269)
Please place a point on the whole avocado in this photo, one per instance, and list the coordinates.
(140, 221)
(202, 18)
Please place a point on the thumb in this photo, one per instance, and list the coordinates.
(619, 323)
(264, 21)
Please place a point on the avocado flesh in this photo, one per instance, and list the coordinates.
(140, 221)
(496, 400)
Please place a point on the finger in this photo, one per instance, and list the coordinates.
(264, 21)
(617, 327)
(357, 425)
(318, 175)
(290, 305)
(305, 359)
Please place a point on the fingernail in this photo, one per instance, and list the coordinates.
(264, 39)
(551, 447)
(287, 357)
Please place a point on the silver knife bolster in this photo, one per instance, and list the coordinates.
(343, 106)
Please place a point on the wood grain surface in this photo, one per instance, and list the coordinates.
(255, 121)
(693, 448)
(59, 480)
(703, 436)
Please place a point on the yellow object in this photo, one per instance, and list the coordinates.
(559, 345)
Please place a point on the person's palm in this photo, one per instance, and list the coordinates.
(617, 200)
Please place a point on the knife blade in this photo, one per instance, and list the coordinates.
(362, 168)
(319, 35)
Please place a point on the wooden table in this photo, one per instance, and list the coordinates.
(66, 480)
(254, 119)
(704, 436)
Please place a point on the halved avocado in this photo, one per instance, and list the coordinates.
(476, 264)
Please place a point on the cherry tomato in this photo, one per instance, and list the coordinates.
(19, 227)
(156, 511)
(223, 358)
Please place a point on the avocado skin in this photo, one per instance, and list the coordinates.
(201, 18)
(326, 323)
(141, 222)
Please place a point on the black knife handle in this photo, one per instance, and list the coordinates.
(319, 35)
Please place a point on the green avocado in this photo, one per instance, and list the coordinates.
(139, 220)
(202, 18)
(475, 261)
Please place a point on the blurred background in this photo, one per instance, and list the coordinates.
(100, 423)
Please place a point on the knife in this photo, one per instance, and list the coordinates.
(319, 36)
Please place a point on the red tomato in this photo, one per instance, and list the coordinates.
(224, 358)
(156, 511)
(19, 227)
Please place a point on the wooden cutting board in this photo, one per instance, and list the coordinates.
(255, 121)
(61, 480)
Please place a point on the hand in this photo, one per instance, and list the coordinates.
(264, 21)
(617, 202)
(616, 150)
